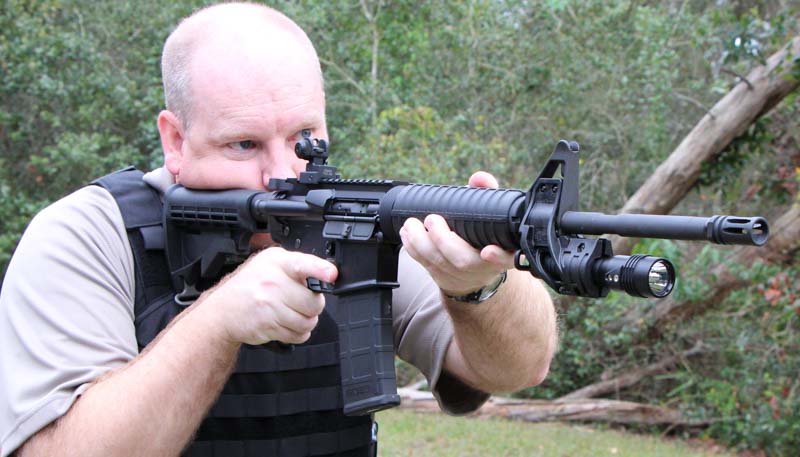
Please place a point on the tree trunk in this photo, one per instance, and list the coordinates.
(632, 377)
(751, 98)
(612, 411)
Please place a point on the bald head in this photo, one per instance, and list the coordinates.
(230, 39)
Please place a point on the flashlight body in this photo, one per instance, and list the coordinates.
(636, 275)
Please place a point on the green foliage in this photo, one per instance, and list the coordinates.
(497, 73)
(432, 91)
(754, 395)
(78, 99)
(746, 384)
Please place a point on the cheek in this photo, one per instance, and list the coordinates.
(217, 173)
(299, 165)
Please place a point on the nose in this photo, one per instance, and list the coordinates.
(279, 161)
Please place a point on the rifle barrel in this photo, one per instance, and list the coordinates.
(716, 229)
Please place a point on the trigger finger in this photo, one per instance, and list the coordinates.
(301, 266)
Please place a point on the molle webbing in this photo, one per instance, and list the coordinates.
(343, 443)
(284, 403)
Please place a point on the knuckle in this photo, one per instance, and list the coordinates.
(321, 302)
(461, 264)
(297, 337)
(267, 292)
(309, 324)
(317, 305)
(439, 261)
(267, 255)
(421, 259)
(294, 268)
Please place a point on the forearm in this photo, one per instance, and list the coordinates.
(154, 404)
(506, 343)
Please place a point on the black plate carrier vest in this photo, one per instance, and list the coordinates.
(274, 404)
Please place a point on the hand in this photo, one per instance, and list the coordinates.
(267, 299)
(457, 267)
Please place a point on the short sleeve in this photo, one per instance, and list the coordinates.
(423, 332)
(66, 311)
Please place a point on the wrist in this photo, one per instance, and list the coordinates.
(481, 294)
(209, 323)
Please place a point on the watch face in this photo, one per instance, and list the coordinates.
(490, 289)
(487, 292)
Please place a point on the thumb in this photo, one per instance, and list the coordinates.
(483, 179)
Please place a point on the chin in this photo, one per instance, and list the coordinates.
(262, 241)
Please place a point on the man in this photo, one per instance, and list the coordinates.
(241, 82)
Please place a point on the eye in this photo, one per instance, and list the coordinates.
(244, 145)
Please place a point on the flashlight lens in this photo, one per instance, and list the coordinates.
(659, 279)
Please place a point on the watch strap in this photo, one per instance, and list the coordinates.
(481, 295)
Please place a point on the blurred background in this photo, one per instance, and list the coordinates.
(432, 91)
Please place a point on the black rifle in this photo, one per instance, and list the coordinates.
(355, 224)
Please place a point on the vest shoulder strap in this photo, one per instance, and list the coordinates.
(141, 208)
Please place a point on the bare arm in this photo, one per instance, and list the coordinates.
(505, 343)
(513, 335)
(154, 404)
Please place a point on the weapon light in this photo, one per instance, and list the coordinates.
(638, 275)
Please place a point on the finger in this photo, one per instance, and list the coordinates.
(417, 241)
(458, 253)
(498, 256)
(305, 301)
(295, 295)
(296, 338)
(483, 179)
(295, 322)
(300, 266)
(285, 335)
(286, 312)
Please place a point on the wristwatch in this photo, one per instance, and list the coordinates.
(481, 295)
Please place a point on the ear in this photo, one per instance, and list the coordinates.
(170, 129)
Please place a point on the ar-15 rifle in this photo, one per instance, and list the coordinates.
(356, 223)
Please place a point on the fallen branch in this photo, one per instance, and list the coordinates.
(729, 118)
(633, 377)
(587, 410)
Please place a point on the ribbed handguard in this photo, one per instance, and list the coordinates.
(481, 216)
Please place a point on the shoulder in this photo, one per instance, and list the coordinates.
(93, 204)
(80, 234)
(66, 310)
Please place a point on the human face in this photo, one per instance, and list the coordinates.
(244, 124)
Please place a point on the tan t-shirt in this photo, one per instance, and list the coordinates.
(66, 314)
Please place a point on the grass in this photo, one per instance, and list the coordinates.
(405, 433)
